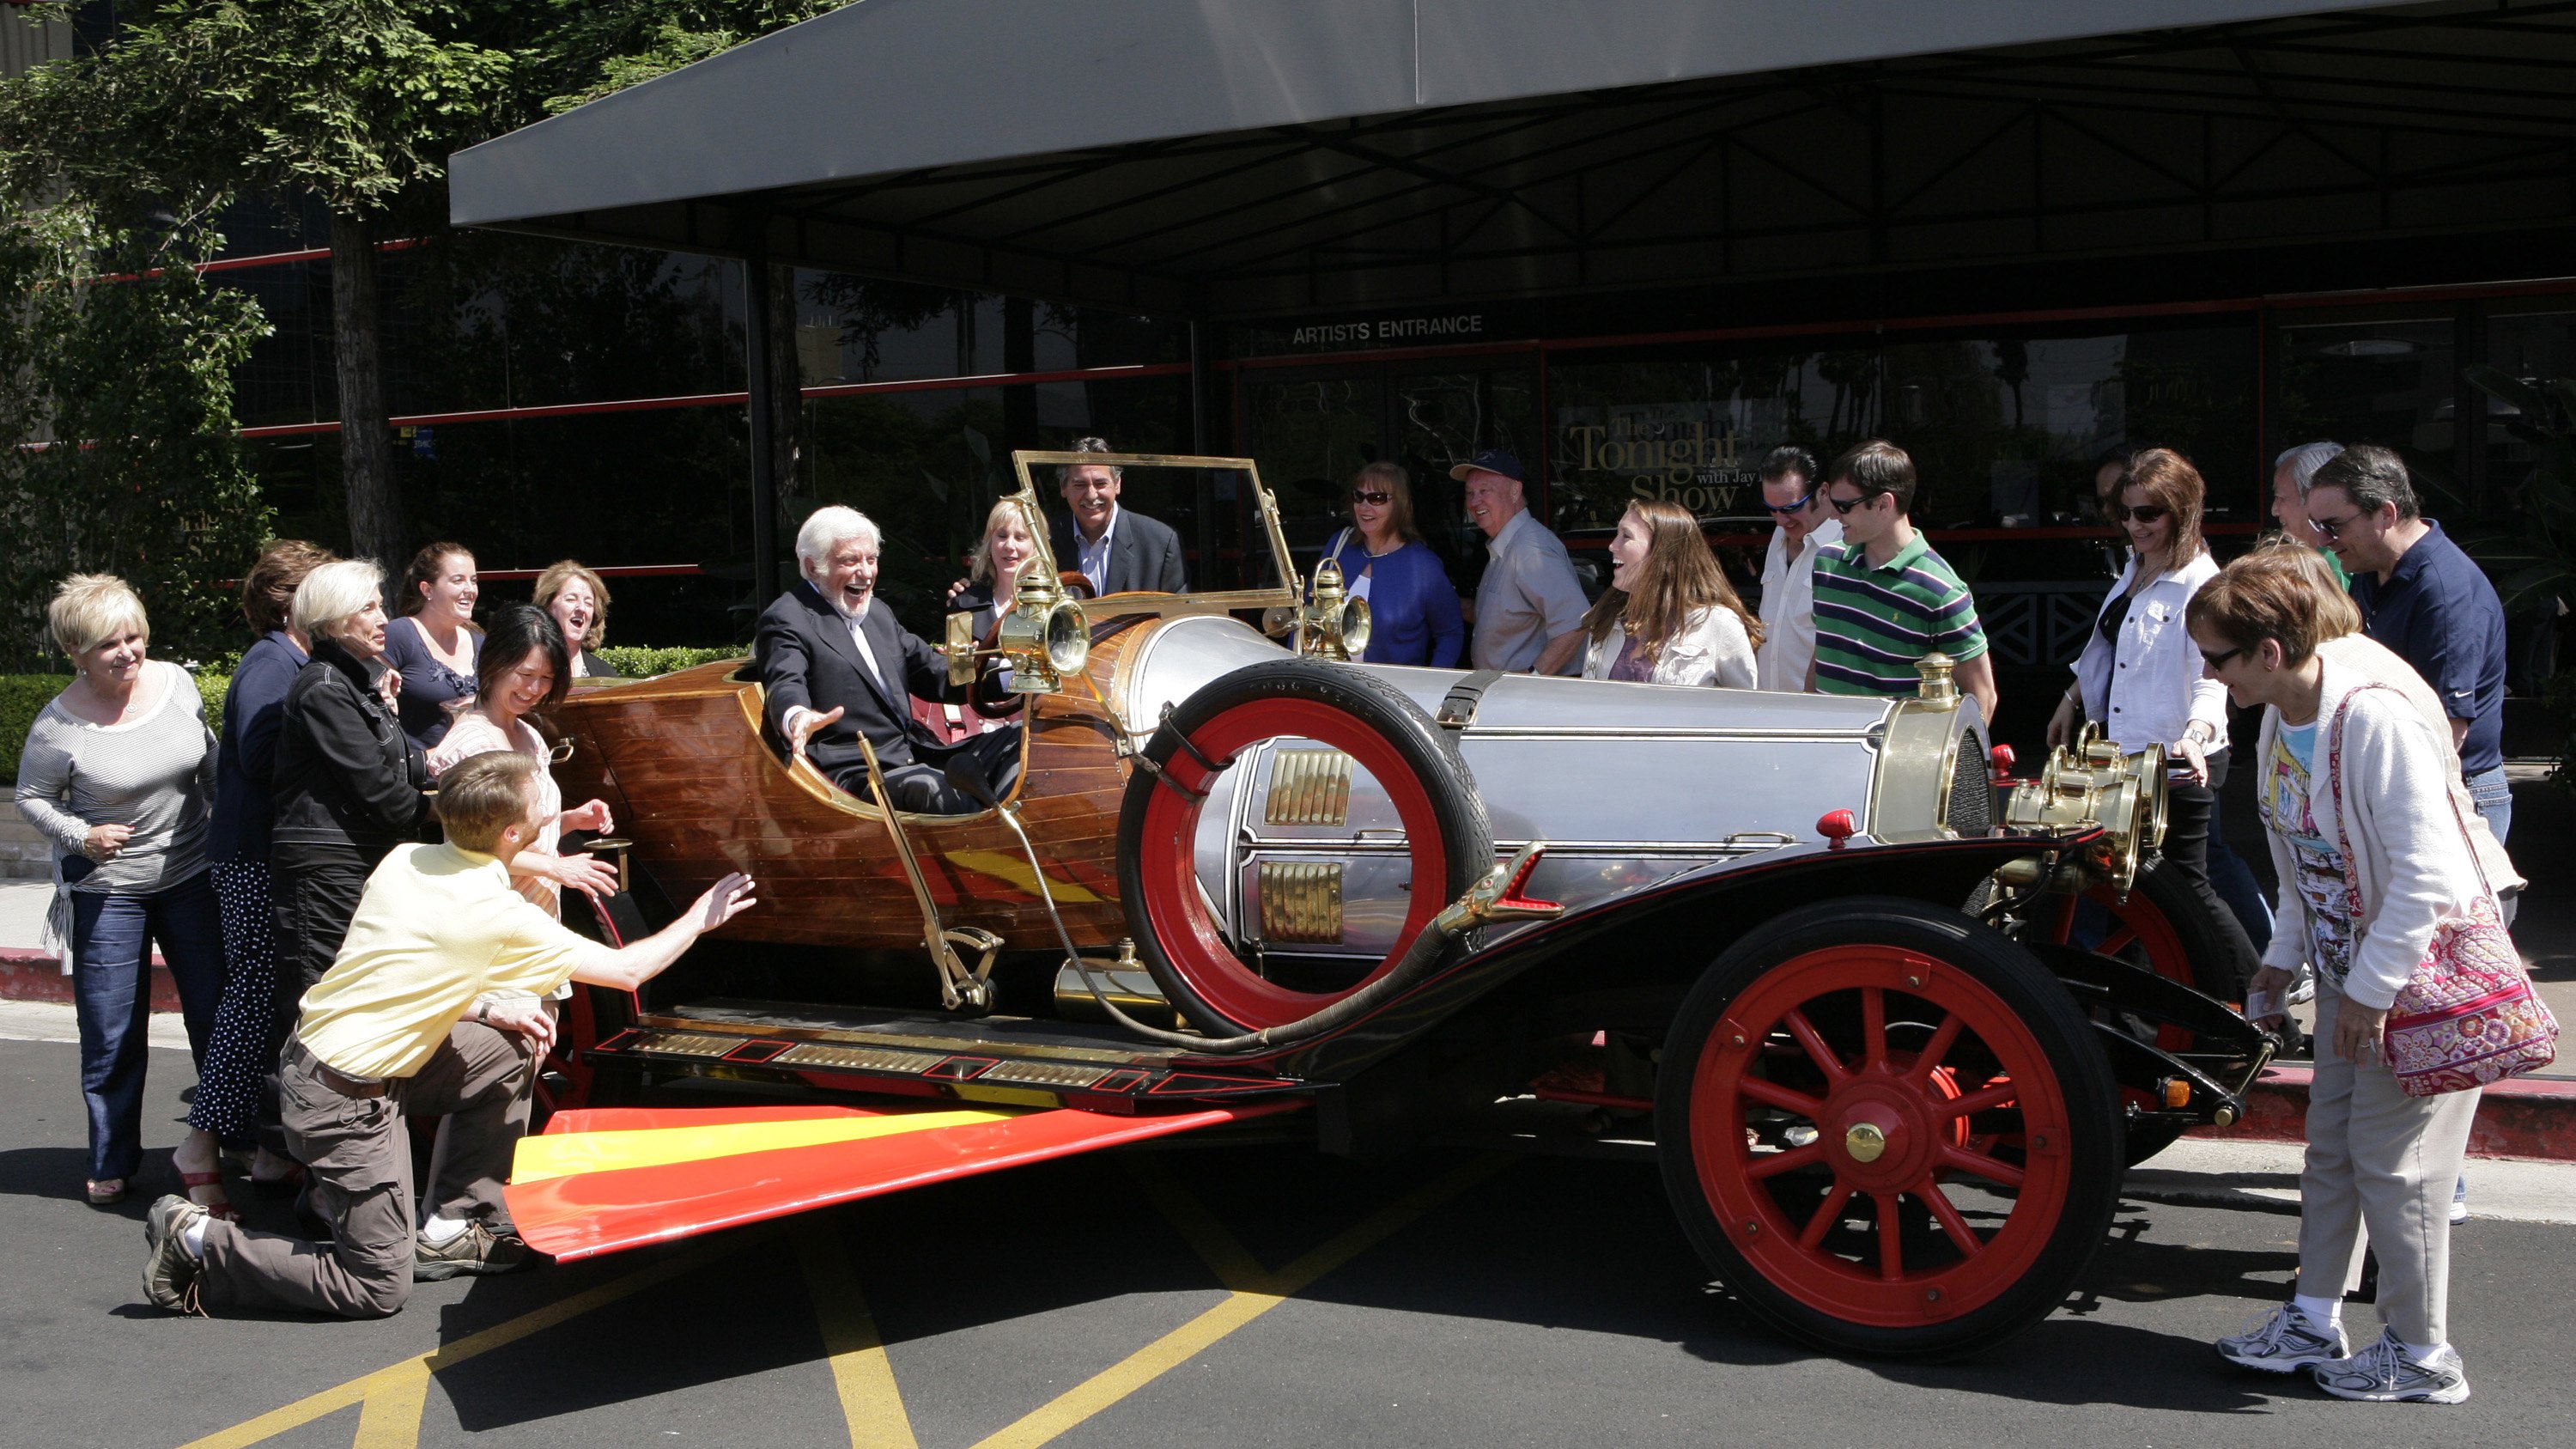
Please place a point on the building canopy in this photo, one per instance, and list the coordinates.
(1276, 156)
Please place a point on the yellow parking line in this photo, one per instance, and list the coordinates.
(410, 1377)
(390, 1418)
(871, 1403)
(1254, 1292)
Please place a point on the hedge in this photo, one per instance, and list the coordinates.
(24, 696)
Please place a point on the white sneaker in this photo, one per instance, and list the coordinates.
(2383, 1374)
(2303, 988)
(2460, 1201)
(2284, 1341)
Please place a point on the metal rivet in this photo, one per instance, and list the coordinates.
(1737, 1039)
(1913, 980)
(1751, 1227)
(2040, 1141)
(1931, 1295)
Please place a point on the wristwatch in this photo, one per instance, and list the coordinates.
(483, 1012)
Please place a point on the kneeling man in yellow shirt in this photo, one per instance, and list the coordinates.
(435, 1007)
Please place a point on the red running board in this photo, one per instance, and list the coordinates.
(602, 1180)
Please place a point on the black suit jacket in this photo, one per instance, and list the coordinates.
(806, 657)
(1144, 556)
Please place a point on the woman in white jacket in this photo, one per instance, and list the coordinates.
(2376, 1156)
(2139, 678)
(1669, 615)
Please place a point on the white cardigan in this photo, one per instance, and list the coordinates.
(2405, 837)
(2379, 664)
(1712, 648)
(2147, 686)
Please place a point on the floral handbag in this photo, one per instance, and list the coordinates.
(2468, 1015)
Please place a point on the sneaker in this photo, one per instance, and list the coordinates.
(2383, 1374)
(476, 1251)
(2303, 988)
(2460, 1201)
(2284, 1341)
(169, 1270)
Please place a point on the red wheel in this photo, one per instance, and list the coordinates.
(1412, 759)
(1885, 1127)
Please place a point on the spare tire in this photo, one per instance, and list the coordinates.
(1344, 707)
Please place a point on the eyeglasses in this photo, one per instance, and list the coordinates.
(1783, 510)
(2144, 512)
(2215, 661)
(2332, 528)
(1374, 497)
(1846, 505)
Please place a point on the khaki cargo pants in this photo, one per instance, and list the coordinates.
(357, 1159)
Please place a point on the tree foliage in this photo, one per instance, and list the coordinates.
(118, 397)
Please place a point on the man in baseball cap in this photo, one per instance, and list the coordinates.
(1529, 609)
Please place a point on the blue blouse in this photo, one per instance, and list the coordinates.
(1413, 608)
(254, 711)
(428, 686)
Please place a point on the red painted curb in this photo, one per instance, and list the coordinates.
(2520, 1117)
(34, 976)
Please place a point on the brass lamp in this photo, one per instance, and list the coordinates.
(1044, 637)
(1333, 625)
(2089, 784)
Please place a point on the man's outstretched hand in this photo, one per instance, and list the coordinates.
(724, 900)
(807, 724)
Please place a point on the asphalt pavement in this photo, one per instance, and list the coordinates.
(1219, 1296)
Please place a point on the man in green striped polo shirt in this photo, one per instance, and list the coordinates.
(1884, 599)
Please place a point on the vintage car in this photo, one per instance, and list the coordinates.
(1892, 1023)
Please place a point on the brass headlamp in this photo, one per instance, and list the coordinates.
(2091, 784)
(1332, 625)
(1044, 637)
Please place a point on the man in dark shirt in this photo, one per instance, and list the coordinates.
(2427, 601)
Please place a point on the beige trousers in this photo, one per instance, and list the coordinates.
(2382, 1160)
(357, 1159)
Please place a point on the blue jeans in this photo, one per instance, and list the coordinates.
(112, 939)
(2493, 795)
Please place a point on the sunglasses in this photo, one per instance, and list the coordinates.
(1846, 505)
(2215, 661)
(1783, 510)
(1374, 497)
(2144, 512)
(2332, 528)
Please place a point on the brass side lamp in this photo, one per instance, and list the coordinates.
(1332, 625)
(1044, 637)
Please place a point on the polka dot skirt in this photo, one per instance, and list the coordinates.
(239, 1053)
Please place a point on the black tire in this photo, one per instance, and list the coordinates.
(1157, 823)
(1780, 1239)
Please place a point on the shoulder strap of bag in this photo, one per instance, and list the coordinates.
(2333, 740)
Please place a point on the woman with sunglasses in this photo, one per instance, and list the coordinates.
(2138, 677)
(1669, 615)
(1413, 608)
(524, 667)
(2374, 853)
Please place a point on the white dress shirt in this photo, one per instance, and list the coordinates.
(1789, 609)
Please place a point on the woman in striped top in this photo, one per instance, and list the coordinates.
(119, 772)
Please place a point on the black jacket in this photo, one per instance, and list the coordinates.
(805, 657)
(1144, 556)
(348, 782)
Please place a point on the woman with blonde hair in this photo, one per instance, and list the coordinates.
(119, 774)
(1669, 615)
(578, 600)
(1413, 608)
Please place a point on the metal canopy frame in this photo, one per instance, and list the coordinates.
(2419, 120)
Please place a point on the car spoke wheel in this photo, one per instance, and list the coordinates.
(1413, 760)
(1887, 1130)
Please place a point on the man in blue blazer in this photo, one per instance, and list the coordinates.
(835, 664)
(1120, 552)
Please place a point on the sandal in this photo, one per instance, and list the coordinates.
(106, 1191)
(285, 1185)
(222, 1206)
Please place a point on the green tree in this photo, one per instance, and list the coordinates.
(115, 387)
(354, 103)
